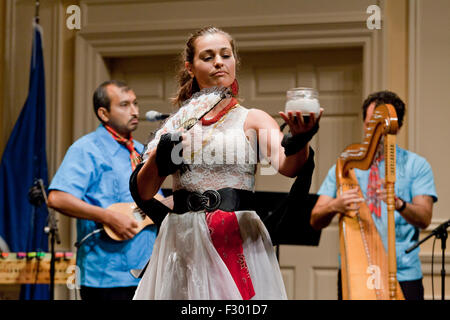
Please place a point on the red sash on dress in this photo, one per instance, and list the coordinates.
(226, 238)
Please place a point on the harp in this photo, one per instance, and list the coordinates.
(369, 271)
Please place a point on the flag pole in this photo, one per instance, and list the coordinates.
(36, 14)
(20, 225)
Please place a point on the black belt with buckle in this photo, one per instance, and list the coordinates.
(226, 199)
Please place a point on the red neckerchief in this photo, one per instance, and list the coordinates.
(128, 143)
(217, 117)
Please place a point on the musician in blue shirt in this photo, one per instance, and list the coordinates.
(415, 195)
(95, 174)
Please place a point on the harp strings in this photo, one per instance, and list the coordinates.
(374, 250)
(377, 248)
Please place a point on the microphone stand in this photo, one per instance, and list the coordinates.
(52, 229)
(440, 233)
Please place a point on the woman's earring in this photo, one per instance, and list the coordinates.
(235, 88)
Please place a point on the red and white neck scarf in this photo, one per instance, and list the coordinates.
(375, 183)
(128, 143)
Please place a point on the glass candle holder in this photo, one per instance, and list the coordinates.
(305, 100)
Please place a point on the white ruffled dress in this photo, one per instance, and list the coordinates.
(185, 263)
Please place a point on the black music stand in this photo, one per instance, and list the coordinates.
(289, 222)
(37, 196)
(440, 233)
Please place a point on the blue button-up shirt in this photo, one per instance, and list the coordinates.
(97, 169)
(413, 177)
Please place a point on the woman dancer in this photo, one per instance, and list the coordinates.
(213, 245)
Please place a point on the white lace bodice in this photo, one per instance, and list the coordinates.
(220, 155)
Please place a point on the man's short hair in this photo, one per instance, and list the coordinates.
(101, 97)
(386, 97)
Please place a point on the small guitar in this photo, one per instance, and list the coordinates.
(133, 211)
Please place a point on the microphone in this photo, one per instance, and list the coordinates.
(36, 193)
(155, 115)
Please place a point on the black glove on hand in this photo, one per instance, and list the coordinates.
(152, 207)
(293, 144)
(164, 160)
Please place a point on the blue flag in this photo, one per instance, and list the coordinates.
(24, 161)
